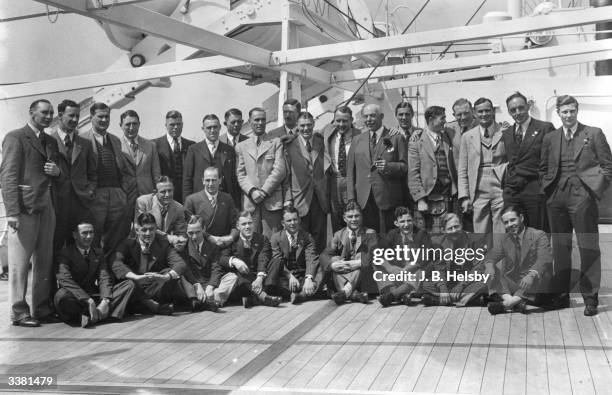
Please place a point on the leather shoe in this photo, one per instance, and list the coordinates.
(27, 322)
(590, 310)
(196, 306)
(165, 309)
(85, 321)
(247, 302)
(361, 297)
(339, 297)
(559, 302)
(520, 307)
(429, 300)
(49, 319)
(296, 298)
(211, 305)
(496, 308)
(406, 299)
(272, 301)
(386, 299)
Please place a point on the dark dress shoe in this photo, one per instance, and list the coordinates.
(27, 322)
(49, 319)
(339, 297)
(211, 305)
(247, 302)
(296, 298)
(558, 302)
(272, 301)
(386, 299)
(429, 300)
(496, 308)
(406, 299)
(520, 307)
(196, 306)
(361, 297)
(590, 310)
(165, 309)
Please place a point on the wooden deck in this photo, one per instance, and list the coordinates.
(318, 347)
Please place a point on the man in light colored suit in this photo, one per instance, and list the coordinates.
(169, 214)
(376, 173)
(261, 171)
(306, 185)
(27, 172)
(482, 166)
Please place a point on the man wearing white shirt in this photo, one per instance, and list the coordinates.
(291, 111)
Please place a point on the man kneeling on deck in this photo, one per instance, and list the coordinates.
(79, 267)
(154, 266)
(347, 258)
(295, 260)
(249, 258)
(525, 261)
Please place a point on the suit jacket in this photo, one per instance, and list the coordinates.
(126, 175)
(79, 277)
(469, 161)
(524, 160)
(277, 132)
(24, 184)
(257, 260)
(420, 239)
(593, 159)
(162, 257)
(167, 164)
(455, 126)
(261, 167)
(224, 139)
(363, 177)
(422, 164)
(306, 174)
(175, 217)
(202, 266)
(144, 170)
(199, 158)
(219, 221)
(306, 259)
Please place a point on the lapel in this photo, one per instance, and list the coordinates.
(380, 146)
(76, 149)
(557, 144)
(263, 147)
(497, 135)
(195, 254)
(221, 154)
(284, 244)
(527, 241)
(140, 151)
(255, 246)
(94, 261)
(126, 149)
(156, 210)
(317, 148)
(475, 141)
(582, 136)
(34, 141)
(154, 252)
(60, 145)
(116, 144)
(301, 242)
(206, 152)
(304, 151)
(92, 140)
(428, 145)
(360, 237)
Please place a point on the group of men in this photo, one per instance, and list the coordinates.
(114, 224)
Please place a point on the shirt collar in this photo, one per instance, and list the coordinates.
(171, 140)
(433, 136)
(209, 196)
(290, 131)
(289, 236)
(34, 129)
(83, 251)
(211, 144)
(303, 140)
(62, 135)
(490, 128)
(245, 241)
(379, 132)
(572, 130)
(142, 245)
(525, 124)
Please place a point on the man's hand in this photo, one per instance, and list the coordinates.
(380, 165)
(257, 285)
(422, 205)
(51, 169)
(158, 276)
(216, 240)
(103, 308)
(294, 284)
(142, 280)
(93, 311)
(258, 196)
(490, 270)
(309, 286)
(527, 281)
(240, 265)
(341, 267)
(13, 223)
(210, 292)
(466, 206)
(200, 294)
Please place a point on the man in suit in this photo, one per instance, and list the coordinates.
(207, 153)
(249, 257)
(27, 172)
(404, 114)
(233, 122)
(482, 165)
(141, 157)
(76, 186)
(172, 150)
(524, 261)
(306, 185)
(261, 171)
(153, 265)
(110, 217)
(338, 137)
(523, 140)
(291, 111)
(347, 260)
(216, 209)
(297, 273)
(169, 214)
(84, 280)
(376, 173)
(575, 170)
(432, 169)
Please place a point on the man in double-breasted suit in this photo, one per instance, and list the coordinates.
(76, 185)
(172, 150)
(575, 170)
(305, 184)
(523, 141)
(261, 171)
(28, 170)
(376, 174)
(169, 214)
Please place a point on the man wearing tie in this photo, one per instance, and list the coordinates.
(172, 149)
(169, 214)
(233, 122)
(291, 111)
(27, 171)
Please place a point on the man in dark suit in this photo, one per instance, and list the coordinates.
(306, 185)
(233, 122)
(207, 153)
(339, 134)
(575, 170)
(153, 265)
(523, 141)
(291, 111)
(27, 172)
(172, 150)
(76, 186)
(524, 262)
(249, 258)
(376, 173)
(84, 280)
(169, 214)
(404, 114)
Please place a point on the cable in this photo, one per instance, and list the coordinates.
(467, 23)
(351, 18)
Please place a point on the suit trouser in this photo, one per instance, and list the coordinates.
(569, 209)
(244, 284)
(532, 204)
(33, 239)
(69, 212)
(375, 218)
(315, 223)
(341, 279)
(281, 276)
(465, 294)
(488, 206)
(337, 200)
(111, 218)
(221, 293)
(267, 221)
(396, 288)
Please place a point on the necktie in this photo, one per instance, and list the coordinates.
(568, 135)
(213, 202)
(464, 129)
(437, 142)
(308, 146)
(164, 211)
(134, 147)
(177, 148)
(372, 143)
(518, 135)
(259, 140)
(43, 142)
(486, 133)
(68, 144)
(342, 156)
(353, 242)
(517, 246)
(294, 242)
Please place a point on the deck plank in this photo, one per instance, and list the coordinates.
(471, 379)
(558, 371)
(515, 377)
(537, 372)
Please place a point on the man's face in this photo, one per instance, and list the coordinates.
(69, 119)
(452, 226)
(352, 219)
(404, 117)
(464, 115)
(180, 243)
(211, 181)
(211, 128)
(568, 114)
(305, 127)
(518, 110)
(342, 121)
(291, 222)
(195, 233)
(258, 122)
(100, 120)
(146, 233)
(290, 115)
(174, 127)
(165, 192)
(130, 126)
(437, 123)
(484, 114)
(513, 222)
(372, 117)
(234, 124)
(245, 227)
(42, 115)
(404, 224)
(84, 236)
